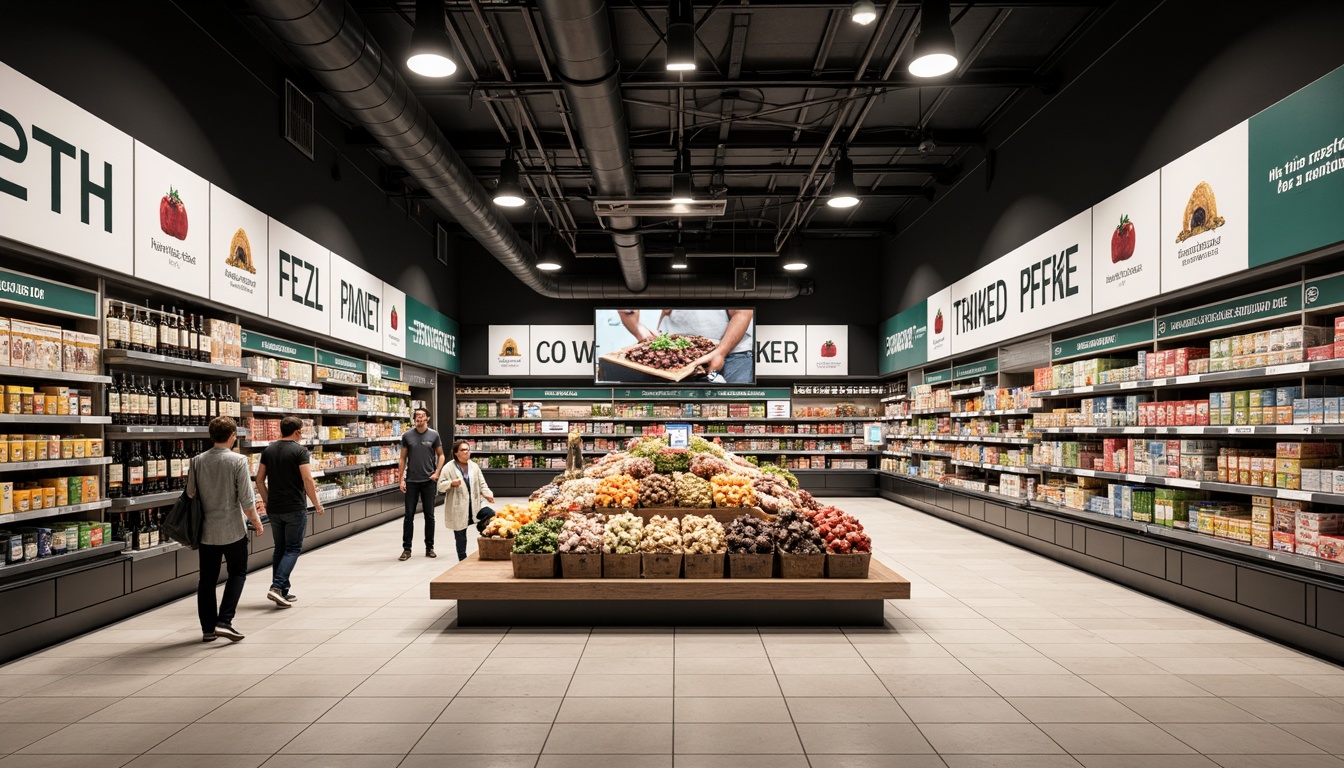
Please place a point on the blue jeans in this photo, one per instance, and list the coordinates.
(287, 532)
(737, 368)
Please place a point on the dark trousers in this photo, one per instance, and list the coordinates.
(235, 556)
(424, 492)
(460, 538)
(287, 532)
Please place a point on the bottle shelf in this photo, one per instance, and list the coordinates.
(145, 501)
(28, 466)
(151, 362)
(29, 373)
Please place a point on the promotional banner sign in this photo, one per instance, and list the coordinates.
(29, 291)
(1102, 342)
(780, 350)
(66, 177)
(356, 311)
(1046, 282)
(827, 350)
(1296, 173)
(1127, 245)
(905, 340)
(394, 321)
(938, 319)
(299, 279)
(1204, 212)
(273, 347)
(561, 350)
(172, 224)
(431, 338)
(342, 362)
(238, 253)
(1229, 314)
(509, 348)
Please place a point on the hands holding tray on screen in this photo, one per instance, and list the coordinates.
(727, 360)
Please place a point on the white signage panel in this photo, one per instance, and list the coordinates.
(299, 277)
(781, 350)
(356, 312)
(238, 253)
(561, 350)
(940, 324)
(1127, 245)
(394, 321)
(827, 350)
(509, 351)
(1205, 211)
(1044, 283)
(66, 177)
(172, 224)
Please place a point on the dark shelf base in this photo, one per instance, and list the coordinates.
(647, 613)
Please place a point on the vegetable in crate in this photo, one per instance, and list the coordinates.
(508, 520)
(732, 491)
(661, 534)
(796, 535)
(622, 534)
(581, 492)
(582, 535)
(693, 492)
(617, 491)
(657, 491)
(750, 535)
(843, 533)
(707, 465)
(702, 535)
(671, 460)
(535, 539)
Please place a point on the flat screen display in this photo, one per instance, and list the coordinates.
(676, 346)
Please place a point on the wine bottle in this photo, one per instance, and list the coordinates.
(116, 472)
(135, 471)
(141, 403)
(111, 330)
(177, 474)
(193, 341)
(153, 523)
(160, 464)
(167, 334)
(165, 404)
(151, 403)
(175, 406)
(203, 338)
(142, 532)
(184, 337)
(211, 404)
(198, 405)
(114, 401)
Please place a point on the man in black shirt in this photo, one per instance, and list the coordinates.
(420, 462)
(283, 480)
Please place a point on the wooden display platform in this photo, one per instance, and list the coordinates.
(488, 595)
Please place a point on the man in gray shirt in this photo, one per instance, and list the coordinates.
(420, 462)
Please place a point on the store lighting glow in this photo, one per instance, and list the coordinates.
(863, 12)
(682, 187)
(431, 49)
(844, 194)
(793, 258)
(679, 258)
(509, 193)
(935, 47)
(549, 260)
(680, 36)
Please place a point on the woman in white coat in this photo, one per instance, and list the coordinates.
(466, 495)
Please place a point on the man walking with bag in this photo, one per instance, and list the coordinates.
(420, 463)
(284, 478)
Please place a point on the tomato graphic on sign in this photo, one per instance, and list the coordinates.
(173, 215)
(829, 349)
(938, 322)
(394, 318)
(1122, 241)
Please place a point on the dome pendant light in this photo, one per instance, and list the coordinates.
(509, 193)
(863, 12)
(935, 47)
(679, 260)
(682, 188)
(680, 36)
(844, 194)
(793, 257)
(431, 50)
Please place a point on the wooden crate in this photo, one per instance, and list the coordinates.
(494, 547)
(533, 566)
(802, 566)
(848, 566)
(587, 566)
(621, 566)
(702, 566)
(751, 566)
(661, 565)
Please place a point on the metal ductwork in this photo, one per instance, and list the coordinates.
(328, 38)
(580, 36)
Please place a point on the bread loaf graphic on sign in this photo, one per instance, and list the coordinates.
(240, 252)
(1201, 213)
(510, 349)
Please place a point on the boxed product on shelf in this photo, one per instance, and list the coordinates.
(1171, 506)
(274, 368)
(35, 345)
(226, 342)
(80, 352)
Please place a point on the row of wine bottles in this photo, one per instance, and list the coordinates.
(143, 467)
(139, 400)
(173, 334)
(139, 529)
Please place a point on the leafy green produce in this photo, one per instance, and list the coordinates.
(538, 538)
(667, 341)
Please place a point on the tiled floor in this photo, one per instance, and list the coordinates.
(1003, 658)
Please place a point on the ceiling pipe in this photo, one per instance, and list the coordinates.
(328, 38)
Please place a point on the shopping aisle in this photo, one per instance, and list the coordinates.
(1003, 658)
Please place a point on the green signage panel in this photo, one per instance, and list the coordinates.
(561, 393)
(1124, 337)
(392, 372)
(343, 362)
(938, 377)
(273, 347)
(905, 342)
(736, 393)
(1297, 172)
(431, 338)
(1324, 292)
(972, 370)
(18, 288)
(1247, 309)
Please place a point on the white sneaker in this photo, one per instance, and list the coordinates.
(276, 597)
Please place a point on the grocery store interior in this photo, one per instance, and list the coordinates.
(855, 383)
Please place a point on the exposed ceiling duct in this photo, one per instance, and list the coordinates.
(328, 38)
(585, 58)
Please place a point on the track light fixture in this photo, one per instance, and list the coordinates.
(509, 193)
(935, 47)
(844, 194)
(431, 51)
(682, 188)
(680, 36)
(863, 12)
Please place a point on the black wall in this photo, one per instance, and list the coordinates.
(193, 81)
(1183, 73)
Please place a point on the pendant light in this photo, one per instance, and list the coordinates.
(793, 257)
(549, 259)
(844, 194)
(431, 51)
(935, 47)
(679, 260)
(509, 193)
(863, 12)
(682, 188)
(680, 36)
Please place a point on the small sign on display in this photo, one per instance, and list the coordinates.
(678, 435)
